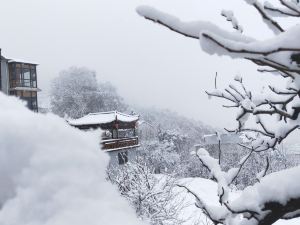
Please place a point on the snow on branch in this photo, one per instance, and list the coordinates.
(188, 29)
(280, 11)
(271, 204)
(223, 179)
(283, 103)
(228, 14)
(281, 52)
(292, 5)
(272, 24)
(261, 204)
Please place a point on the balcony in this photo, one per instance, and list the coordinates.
(120, 143)
(24, 83)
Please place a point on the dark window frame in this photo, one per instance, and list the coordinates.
(17, 78)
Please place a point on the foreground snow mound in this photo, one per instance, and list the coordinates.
(53, 174)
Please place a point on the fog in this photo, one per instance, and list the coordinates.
(149, 65)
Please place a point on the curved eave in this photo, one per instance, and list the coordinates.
(109, 125)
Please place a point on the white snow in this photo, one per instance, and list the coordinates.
(102, 118)
(247, 104)
(278, 11)
(11, 60)
(256, 49)
(224, 178)
(268, 190)
(215, 40)
(206, 190)
(54, 174)
(238, 78)
(228, 14)
(190, 28)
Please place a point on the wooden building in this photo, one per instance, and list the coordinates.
(19, 78)
(119, 136)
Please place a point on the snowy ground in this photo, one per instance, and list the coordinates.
(206, 190)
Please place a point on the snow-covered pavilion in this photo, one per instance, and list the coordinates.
(119, 134)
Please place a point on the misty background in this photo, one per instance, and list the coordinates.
(149, 65)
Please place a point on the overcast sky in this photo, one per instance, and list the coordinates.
(150, 65)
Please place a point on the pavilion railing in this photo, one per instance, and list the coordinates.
(119, 143)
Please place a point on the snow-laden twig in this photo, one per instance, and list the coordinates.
(276, 52)
(228, 14)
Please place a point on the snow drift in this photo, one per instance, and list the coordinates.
(51, 173)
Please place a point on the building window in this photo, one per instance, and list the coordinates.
(22, 75)
(123, 157)
(33, 76)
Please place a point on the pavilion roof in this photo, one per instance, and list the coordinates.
(103, 118)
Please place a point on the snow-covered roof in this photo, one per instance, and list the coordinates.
(13, 60)
(230, 138)
(103, 118)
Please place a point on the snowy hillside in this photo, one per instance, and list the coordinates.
(169, 120)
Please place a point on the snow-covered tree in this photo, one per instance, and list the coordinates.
(161, 155)
(229, 155)
(111, 99)
(171, 139)
(152, 196)
(277, 195)
(169, 120)
(169, 153)
(76, 92)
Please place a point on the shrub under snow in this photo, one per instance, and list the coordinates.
(51, 173)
